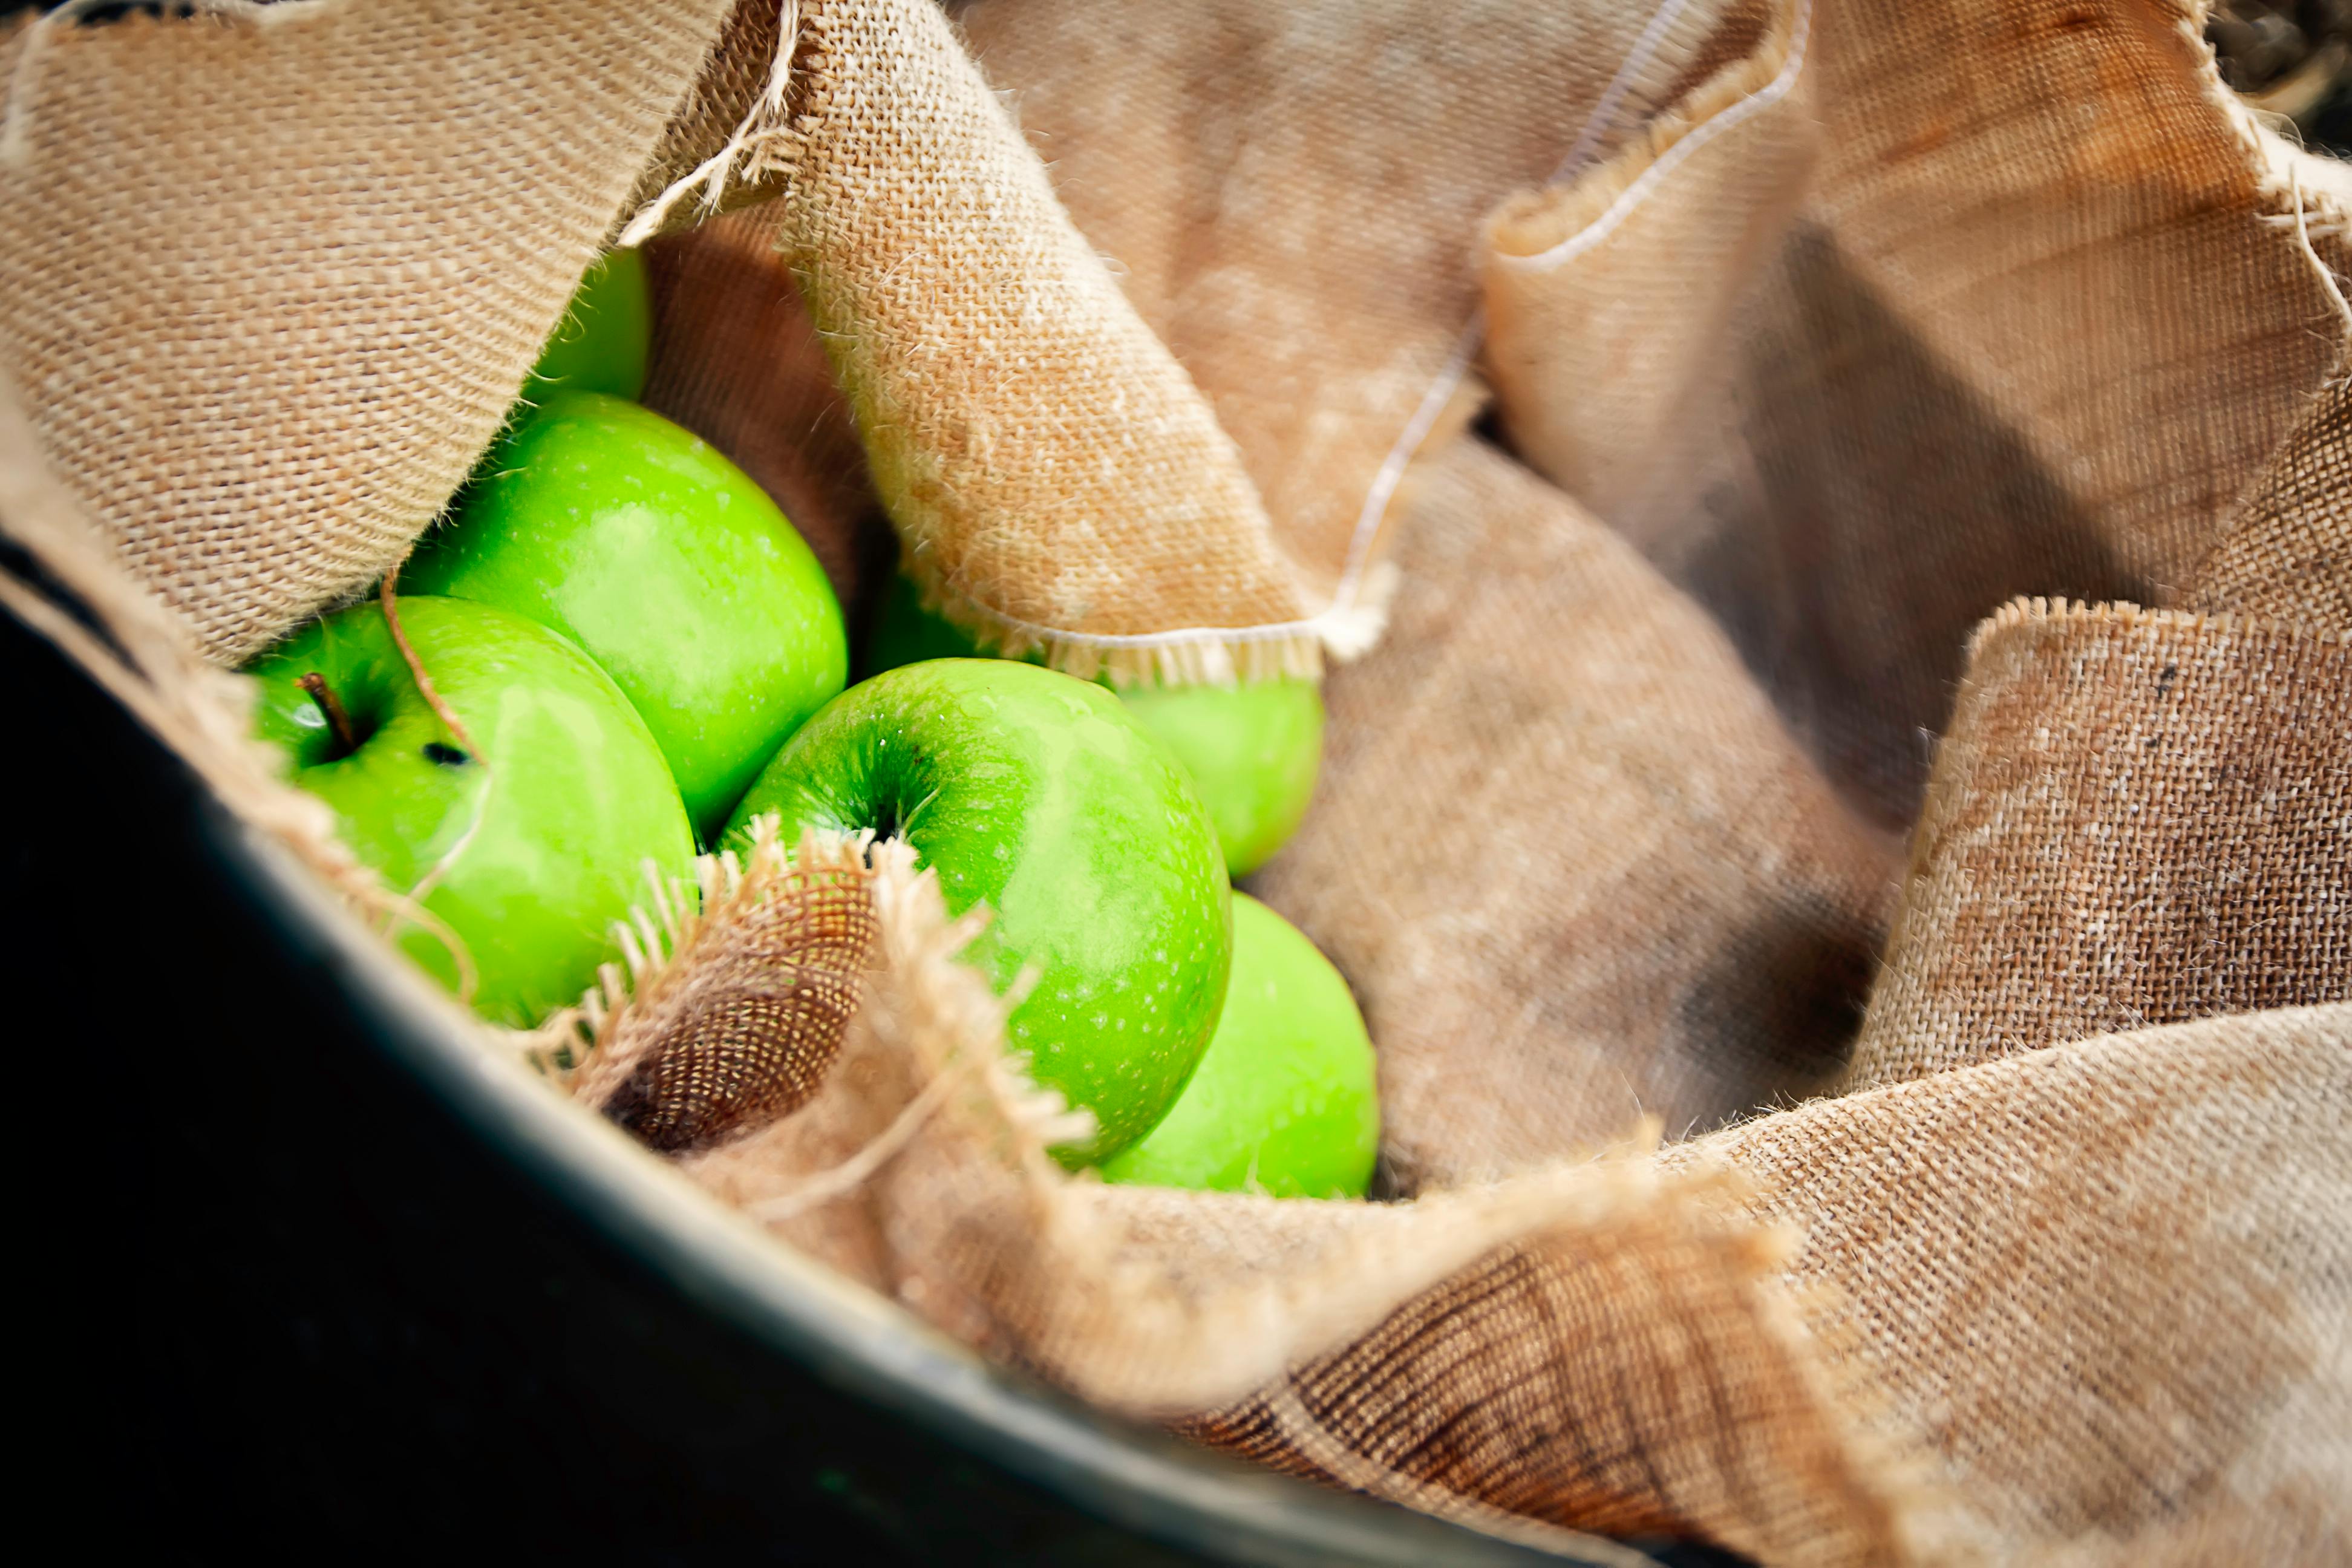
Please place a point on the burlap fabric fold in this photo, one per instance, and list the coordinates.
(1859, 318)
(1855, 321)
(2106, 1283)
(1055, 479)
(2023, 304)
(920, 1166)
(2136, 817)
(2283, 555)
(272, 279)
(1611, 885)
(1286, 191)
(276, 274)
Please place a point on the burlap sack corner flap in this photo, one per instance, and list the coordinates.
(2092, 1114)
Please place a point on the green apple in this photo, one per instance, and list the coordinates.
(637, 541)
(1253, 750)
(540, 840)
(1286, 1100)
(605, 336)
(1043, 798)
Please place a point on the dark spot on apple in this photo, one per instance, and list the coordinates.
(886, 822)
(447, 756)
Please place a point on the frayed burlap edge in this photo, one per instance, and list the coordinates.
(748, 82)
(2309, 196)
(661, 936)
(1210, 655)
(1073, 1290)
(1542, 229)
(779, 108)
(1180, 655)
(2026, 608)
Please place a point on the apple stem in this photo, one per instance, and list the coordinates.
(332, 707)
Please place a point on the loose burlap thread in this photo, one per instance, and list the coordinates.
(1652, 705)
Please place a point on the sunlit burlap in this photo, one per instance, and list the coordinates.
(1858, 320)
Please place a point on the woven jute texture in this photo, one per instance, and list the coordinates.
(683, 1054)
(1850, 322)
(2109, 1283)
(1289, 192)
(1053, 474)
(2285, 554)
(1617, 836)
(1988, 340)
(1995, 1342)
(919, 1166)
(272, 281)
(2136, 817)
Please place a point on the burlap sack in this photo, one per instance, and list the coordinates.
(272, 277)
(1444, 753)
(1854, 332)
(1287, 191)
(1605, 1345)
(920, 1167)
(2104, 1282)
(1611, 883)
(1054, 477)
(2022, 304)
(2063, 1299)
(358, 249)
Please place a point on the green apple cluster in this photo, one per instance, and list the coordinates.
(622, 626)
(616, 648)
(1282, 1100)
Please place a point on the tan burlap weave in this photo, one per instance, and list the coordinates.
(2285, 556)
(1289, 190)
(920, 1167)
(685, 1055)
(1611, 883)
(1861, 321)
(2193, 776)
(2013, 308)
(271, 280)
(276, 273)
(1050, 468)
(1870, 352)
